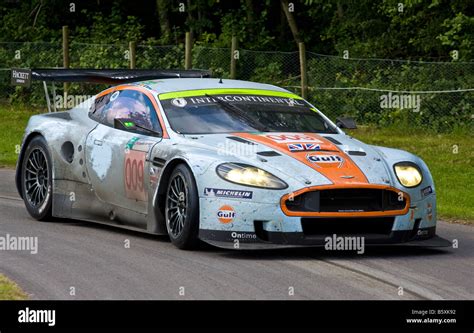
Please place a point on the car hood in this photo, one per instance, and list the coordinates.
(310, 158)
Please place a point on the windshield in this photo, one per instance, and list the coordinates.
(227, 113)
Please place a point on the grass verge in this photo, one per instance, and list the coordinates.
(13, 120)
(9, 290)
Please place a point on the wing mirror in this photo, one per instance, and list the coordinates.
(127, 124)
(346, 122)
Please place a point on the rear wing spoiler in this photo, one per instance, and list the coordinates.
(113, 76)
(23, 77)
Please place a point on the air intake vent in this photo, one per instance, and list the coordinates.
(350, 200)
(268, 153)
(347, 226)
(332, 140)
(236, 138)
(357, 153)
(159, 162)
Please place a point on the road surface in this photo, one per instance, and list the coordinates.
(80, 260)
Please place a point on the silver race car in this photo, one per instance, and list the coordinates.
(232, 163)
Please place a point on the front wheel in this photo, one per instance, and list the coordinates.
(36, 179)
(182, 209)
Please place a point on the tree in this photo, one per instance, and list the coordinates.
(163, 16)
(291, 21)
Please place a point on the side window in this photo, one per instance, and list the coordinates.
(130, 104)
(97, 108)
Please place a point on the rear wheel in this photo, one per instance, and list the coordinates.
(36, 179)
(182, 209)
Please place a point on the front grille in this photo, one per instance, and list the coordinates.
(347, 226)
(347, 200)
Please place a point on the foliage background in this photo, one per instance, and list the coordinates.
(392, 45)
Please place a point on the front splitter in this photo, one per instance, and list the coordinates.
(274, 240)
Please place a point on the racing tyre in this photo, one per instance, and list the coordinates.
(36, 179)
(182, 209)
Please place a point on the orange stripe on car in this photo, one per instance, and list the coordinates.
(329, 160)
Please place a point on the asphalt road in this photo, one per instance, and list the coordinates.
(94, 260)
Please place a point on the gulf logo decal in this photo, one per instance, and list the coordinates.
(303, 147)
(225, 214)
(325, 161)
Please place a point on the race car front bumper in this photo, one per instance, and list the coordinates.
(253, 225)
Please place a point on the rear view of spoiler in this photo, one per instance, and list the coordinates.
(113, 76)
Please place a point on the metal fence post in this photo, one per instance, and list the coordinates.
(132, 54)
(65, 51)
(188, 51)
(304, 78)
(233, 60)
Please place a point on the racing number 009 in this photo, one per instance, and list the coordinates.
(134, 174)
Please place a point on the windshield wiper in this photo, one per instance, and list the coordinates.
(241, 114)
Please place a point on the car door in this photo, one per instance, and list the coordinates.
(116, 157)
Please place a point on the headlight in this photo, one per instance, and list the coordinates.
(249, 175)
(408, 174)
